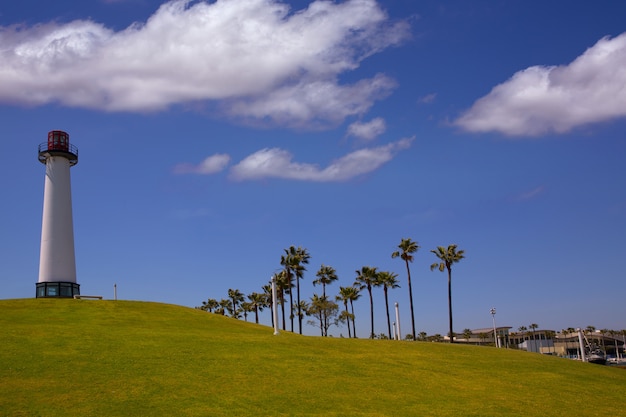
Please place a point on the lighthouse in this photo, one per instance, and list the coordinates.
(57, 262)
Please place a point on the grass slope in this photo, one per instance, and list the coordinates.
(114, 358)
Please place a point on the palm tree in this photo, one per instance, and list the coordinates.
(236, 296)
(344, 296)
(325, 276)
(367, 277)
(258, 302)
(210, 305)
(269, 299)
(351, 294)
(282, 285)
(447, 258)
(294, 260)
(388, 280)
(407, 249)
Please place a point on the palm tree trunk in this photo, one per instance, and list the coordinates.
(387, 308)
(282, 307)
(291, 308)
(353, 320)
(345, 304)
(408, 273)
(369, 289)
(299, 313)
(450, 304)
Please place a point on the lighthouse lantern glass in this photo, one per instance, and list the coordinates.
(58, 140)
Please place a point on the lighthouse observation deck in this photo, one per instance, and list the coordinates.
(58, 144)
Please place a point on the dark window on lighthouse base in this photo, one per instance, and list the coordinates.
(57, 289)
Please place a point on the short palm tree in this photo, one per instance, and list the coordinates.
(236, 297)
(258, 302)
(447, 257)
(367, 277)
(325, 276)
(388, 280)
(407, 249)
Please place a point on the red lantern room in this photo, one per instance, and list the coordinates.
(58, 145)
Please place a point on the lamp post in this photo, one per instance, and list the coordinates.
(496, 341)
(398, 332)
(274, 306)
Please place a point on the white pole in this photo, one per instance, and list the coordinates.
(115, 292)
(582, 346)
(274, 306)
(398, 332)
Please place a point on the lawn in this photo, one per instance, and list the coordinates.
(127, 358)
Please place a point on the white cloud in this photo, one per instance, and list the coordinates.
(427, 99)
(540, 100)
(257, 55)
(368, 130)
(212, 164)
(278, 163)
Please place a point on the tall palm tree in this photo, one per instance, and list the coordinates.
(448, 257)
(236, 297)
(282, 285)
(367, 277)
(388, 280)
(325, 276)
(344, 297)
(407, 249)
(294, 260)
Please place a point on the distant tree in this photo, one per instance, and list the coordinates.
(422, 336)
(388, 280)
(326, 275)
(467, 334)
(367, 277)
(237, 297)
(294, 260)
(324, 312)
(447, 258)
(269, 300)
(210, 305)
(225, 305)
(258, 302)
(407, 249)
(345, 294)
(246, 307)
(283, 285)
(482, 337)
(533, 327)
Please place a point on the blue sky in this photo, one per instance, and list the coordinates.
(213, 135)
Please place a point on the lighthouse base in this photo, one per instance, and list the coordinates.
(57, 290)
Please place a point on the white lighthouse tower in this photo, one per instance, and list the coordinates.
(57, 263)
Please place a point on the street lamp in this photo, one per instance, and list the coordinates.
(493, 317)
(274, 306)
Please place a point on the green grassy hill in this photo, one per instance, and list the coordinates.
(124, 358)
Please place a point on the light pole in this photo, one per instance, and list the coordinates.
(495, 336)
(274, 306)
(399, 337)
